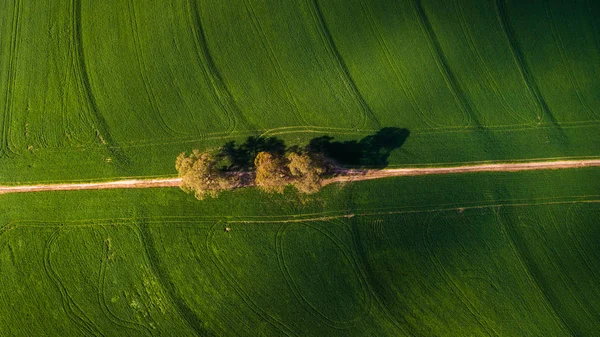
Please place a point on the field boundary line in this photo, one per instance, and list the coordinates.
(319, 129)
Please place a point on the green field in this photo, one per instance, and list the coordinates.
(99, 90)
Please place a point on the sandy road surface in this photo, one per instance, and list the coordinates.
(130, 183)
(357, 175)
(345, 176)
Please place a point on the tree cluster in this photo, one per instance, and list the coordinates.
(267, 163)
(206, 174)
(301, 170)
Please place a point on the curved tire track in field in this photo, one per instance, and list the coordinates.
(116, 320)
(274, 61)
(489, 77)
(523, 255)
(427, 239)
(345, 252)
(561, 51)
(398, 73)
(85, 88)
(247, 299)
(342, 68)
(436, 50)
(179, 304)
(72, 310)
(79, 72)
(376, 287)
(519, 58)
(141, 60)
(5, 149)
(221, 93)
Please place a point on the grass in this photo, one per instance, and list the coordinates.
(173, 76)
(468, 254)
(96, 91)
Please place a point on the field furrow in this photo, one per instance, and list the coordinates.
(239, 289)
(73, 311)
(220, 92)
(469, 117)
(341, 66)
(186, 313)
(516, 52)
(561, 49)
(10, 51)
(141, 60)
(400, 77)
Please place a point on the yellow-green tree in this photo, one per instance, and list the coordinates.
(305, 172)
(202, 176)
(272, 174)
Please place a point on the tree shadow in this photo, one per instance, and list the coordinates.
(371, 151)
(241, 158)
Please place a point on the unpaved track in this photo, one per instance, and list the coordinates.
(130, 183)
(357, 175)
(345, 175)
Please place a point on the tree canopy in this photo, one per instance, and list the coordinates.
(201, 175)
(271, 166)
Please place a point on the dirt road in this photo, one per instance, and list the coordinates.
(357, 175)
(130, 183)
(348, 175)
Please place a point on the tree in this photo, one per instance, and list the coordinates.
(306, 172)
(272, 173)
(201, 175)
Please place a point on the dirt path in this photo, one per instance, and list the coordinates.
(130, 183)
(357, 175)
(348, 175)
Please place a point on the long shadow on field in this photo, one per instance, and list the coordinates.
(241, 158)
(371, 151)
